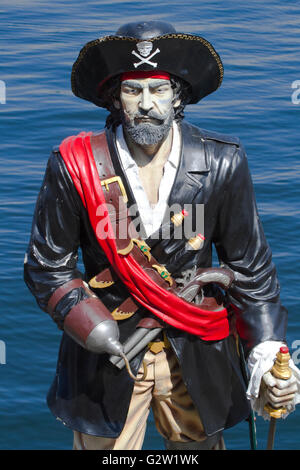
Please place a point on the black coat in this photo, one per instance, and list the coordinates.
(88, 393)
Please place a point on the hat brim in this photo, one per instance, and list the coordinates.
(190, 57)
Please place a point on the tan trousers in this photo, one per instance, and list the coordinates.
(162, 390)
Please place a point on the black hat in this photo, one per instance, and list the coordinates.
(147, 46)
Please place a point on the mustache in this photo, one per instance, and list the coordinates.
(148, 133)
(151, 115)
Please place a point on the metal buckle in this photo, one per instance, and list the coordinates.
(158, 346)
(164, 273)
(115, 179)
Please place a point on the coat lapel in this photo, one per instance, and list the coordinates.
(193, 164)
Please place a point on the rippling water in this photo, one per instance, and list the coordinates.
(259, 45)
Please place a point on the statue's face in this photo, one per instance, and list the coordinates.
(147, 106)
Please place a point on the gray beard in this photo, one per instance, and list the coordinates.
(147, 133)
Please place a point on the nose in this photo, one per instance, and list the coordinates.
(146, 100)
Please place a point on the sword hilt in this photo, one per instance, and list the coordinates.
(280, 370)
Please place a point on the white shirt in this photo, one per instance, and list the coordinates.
(151, 216)
(262, 357)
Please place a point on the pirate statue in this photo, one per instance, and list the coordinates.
(151, 324)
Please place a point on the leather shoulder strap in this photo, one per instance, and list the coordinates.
(114, 193)
(127, 239)
(102, 156)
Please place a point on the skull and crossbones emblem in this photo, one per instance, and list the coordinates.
(145, 56)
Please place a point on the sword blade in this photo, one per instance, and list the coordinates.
(271, 434)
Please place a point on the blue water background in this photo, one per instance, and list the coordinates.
(259, 45)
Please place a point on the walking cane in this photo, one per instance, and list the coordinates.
(282, 371)
(251, 417)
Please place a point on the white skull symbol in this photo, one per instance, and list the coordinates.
(144, 48)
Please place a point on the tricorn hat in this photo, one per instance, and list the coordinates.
(147, 46)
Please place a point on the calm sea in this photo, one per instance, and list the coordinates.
(259, 43)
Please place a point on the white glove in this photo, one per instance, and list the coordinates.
(260, 361)
(277, 392)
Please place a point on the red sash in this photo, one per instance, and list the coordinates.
(77, 154)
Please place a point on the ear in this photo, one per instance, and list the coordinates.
(117, 104)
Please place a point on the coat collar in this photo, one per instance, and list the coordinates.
(194, 161)
(194, 149)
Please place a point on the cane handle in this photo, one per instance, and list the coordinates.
(280, 370)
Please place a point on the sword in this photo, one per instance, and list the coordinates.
(251, 417)
(282, 371)
(271, 433)
(142, 336)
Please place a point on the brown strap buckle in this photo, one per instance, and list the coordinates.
(158, 346)
(115, 179)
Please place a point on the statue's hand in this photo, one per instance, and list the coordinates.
(278, 392)
(104, 338)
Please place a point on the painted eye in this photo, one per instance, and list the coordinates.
(131, 91)
(161, 90)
